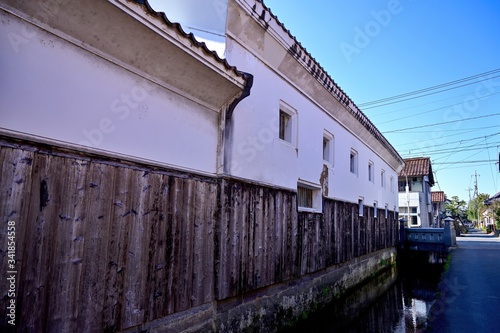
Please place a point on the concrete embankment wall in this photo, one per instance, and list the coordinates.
(278, 306)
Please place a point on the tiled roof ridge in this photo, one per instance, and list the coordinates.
(438, 196)
(417, 158)
(177, 26)
(323, 77)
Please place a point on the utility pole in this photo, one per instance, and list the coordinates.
(476, 196)
(469, 189)
(475, 186)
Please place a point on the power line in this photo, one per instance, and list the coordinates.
(433, 102)
(453, 150)
(431, 93)
(465, 130)
(446, 122)
(463, 162)
(458, 141)
(429, 111)
(461, 166)
(417, 92)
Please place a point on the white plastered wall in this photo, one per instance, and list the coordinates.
(258, 154)
(53, 89)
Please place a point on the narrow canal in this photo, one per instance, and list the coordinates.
(398, 300)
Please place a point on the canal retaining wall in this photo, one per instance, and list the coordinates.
(278, 306)
(106, 244)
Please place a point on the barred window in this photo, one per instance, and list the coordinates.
(305, 196)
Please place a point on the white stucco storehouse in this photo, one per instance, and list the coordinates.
(112, 83)
(155, 187)
(298, 129)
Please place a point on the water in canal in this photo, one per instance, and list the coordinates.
(396, 301)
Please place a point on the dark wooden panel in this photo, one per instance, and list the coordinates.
(95, 189)
(105, 246)
(16, 174)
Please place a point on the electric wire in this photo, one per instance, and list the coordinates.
(433, 102)
(424, 90)
(428, 111)
(459, 141)
(442, 123)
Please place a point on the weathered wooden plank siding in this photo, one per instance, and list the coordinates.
(301, 242)
(15, 182)
(105, 245)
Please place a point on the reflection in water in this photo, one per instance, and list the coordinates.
(396, 301)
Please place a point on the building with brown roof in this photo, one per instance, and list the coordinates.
(414, 182)
(439, 200)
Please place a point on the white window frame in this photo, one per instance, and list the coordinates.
(371, 172)
(290, 135)
(361, 207)
(328, 151)
(353, 162)
(316, 197)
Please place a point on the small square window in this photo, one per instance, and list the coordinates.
(305, 196)
(309, 197)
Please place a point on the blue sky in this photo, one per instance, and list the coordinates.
(377, 49)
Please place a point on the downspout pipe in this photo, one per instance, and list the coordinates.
(244, 94)
(228, 128)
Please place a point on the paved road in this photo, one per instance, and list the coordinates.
(469, 299)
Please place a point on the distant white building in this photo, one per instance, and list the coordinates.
(415, 200)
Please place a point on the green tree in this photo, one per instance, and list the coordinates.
(476, 206)
(457, 208)
(496, 213)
